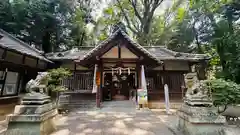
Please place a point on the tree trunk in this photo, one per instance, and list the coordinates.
(46, 43)
(82, 37)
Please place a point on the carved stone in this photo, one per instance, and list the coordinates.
(197, 93)
(35, 98)
(38, 83)
(35, 115)
(32, 124)
(198, 116)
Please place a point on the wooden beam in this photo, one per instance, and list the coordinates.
(163, 67)
(118, 59)
(4, 54)
(4, 81)
(74, 76)
(75, 67)
(119, 51)
(138, 75)
(23, 59)
(37, 63)
(101, 81)
(20, 76)
(98, 100)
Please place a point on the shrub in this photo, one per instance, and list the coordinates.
(55, 77)
(224, 92)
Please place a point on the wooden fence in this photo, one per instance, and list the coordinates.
(79, 81)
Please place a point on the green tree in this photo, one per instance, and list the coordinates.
(44, 23)
(141, 20)
(54, 78)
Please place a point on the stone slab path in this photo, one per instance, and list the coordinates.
(115, 118)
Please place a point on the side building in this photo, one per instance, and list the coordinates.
(19, 62)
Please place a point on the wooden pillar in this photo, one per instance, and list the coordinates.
(138, 71)
(98, 97)
(4, 54)
(4, 81)
(98, 82)
(74, 76)
(101, 81)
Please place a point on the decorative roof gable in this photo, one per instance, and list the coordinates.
(111, 38)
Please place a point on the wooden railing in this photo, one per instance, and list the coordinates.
(79, 81)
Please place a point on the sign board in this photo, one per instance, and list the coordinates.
(142, 96)
(98, 78)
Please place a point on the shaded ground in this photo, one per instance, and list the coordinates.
(115, 118)
(119, 118)
(4, 111)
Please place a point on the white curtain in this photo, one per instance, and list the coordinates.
(143, 79)
(142, 95)
(94, 90)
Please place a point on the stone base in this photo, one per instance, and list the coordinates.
(189, 128)
(200, 121)
(162, 105)
(32, 124)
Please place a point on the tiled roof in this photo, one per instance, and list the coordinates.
(157, 53)
(111, 37)
(160, 52)
(69, 55)
(163, 53)
(10, 42)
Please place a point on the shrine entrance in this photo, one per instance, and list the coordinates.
(118, 64)
(118, 86)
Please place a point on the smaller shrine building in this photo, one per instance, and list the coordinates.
(19, 62)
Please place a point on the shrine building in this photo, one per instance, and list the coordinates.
(117, 63)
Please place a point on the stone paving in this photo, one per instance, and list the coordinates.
(115, 118)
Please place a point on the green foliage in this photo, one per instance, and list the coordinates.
(227, 42)
(224, 92)
(51, 25)
(55, 77)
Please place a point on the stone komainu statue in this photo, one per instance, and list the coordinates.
(198, 93)
(39, 82)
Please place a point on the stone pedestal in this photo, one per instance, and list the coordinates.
(200, 120)
(35, 116)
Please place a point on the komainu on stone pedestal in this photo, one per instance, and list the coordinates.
(198, 116)
(34, 116)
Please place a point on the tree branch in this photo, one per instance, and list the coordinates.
(126, 18)
(134, 5)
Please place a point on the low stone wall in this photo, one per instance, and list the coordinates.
(200, 121)
(161, 105)
(232, 114)
(78, 100)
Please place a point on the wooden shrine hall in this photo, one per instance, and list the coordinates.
(116, 65)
